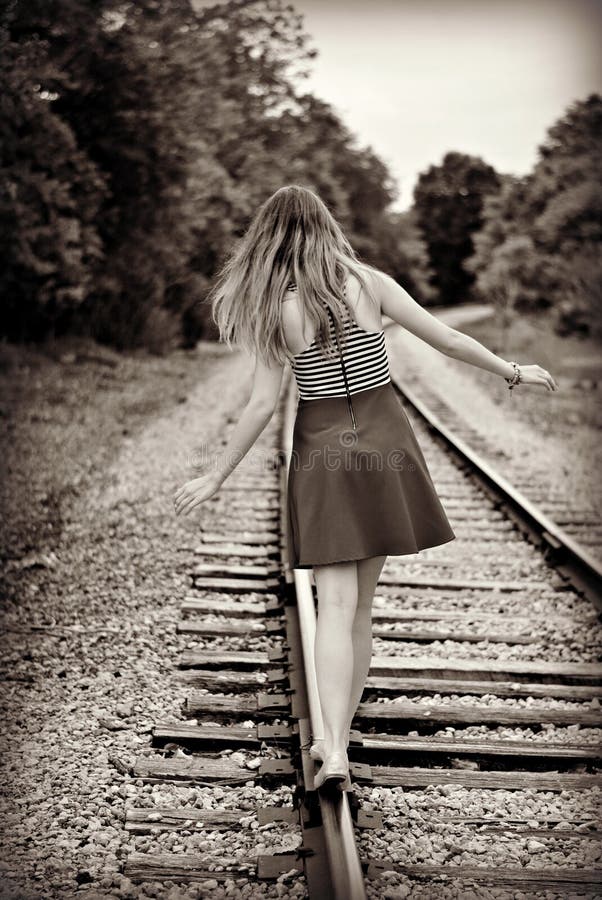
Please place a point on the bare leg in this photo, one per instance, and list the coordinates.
(368, 571)
(337, 588)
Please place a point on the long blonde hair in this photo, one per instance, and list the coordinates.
(293, 237)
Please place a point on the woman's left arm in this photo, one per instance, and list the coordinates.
(402, 308)
(267, 380)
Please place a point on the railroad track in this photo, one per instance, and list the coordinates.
(558, 532)
(577, 519)
(476, 749)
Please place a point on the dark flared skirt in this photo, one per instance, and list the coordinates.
(355, 494)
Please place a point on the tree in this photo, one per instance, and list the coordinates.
(49, 200)
(448, 199)
(402, 253)
(176, 123)
(553, 216)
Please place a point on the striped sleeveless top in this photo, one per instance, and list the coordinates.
(365, 361)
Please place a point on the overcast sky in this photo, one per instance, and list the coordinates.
(416, 78)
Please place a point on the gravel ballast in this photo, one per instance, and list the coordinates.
(93, 578)
(96, 565)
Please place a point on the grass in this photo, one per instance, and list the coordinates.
(575, 363)
(67, 405)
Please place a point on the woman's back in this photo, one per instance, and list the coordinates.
(362, 359)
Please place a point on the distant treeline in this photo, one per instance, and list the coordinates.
(137, 140)
(525, 244)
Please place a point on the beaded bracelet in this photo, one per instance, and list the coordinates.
(516, 378)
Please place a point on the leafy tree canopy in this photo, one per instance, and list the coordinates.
(167, 125)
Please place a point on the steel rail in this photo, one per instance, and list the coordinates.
(347, 878)
(569, 557)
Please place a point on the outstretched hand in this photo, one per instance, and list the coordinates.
(195, 492)
(534, 374)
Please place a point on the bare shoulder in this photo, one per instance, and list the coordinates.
(374, 281)
(398, 304)
(291, 292)
(378, 280)
(386, 289)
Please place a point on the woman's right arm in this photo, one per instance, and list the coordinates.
(402, 308)
(257, 413)
(267, 380)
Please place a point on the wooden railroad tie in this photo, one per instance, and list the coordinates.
(206, 769)
(377, 745)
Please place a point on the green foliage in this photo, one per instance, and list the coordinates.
(539, 247)
(579, 308)
(448, 200)
(403, 254)
(50, 195)
(137, 140)
(161, 129)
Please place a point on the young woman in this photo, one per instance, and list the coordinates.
(294, 293)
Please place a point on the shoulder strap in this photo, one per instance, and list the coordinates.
(347, 391)
(290, 289)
